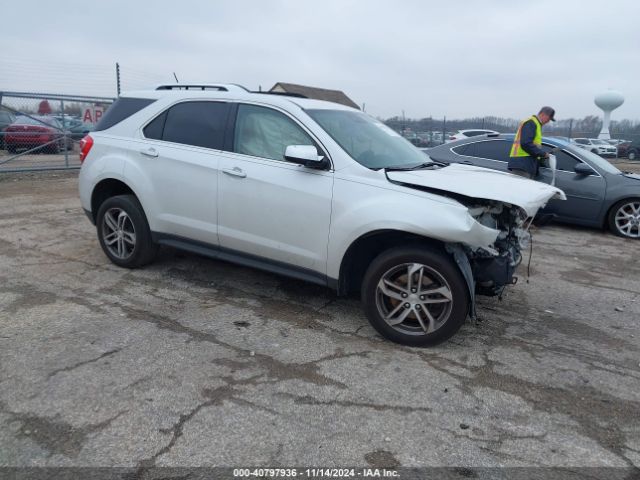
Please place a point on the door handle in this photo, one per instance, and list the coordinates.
(235, 172)
(149, 152)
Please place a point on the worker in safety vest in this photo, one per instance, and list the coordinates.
(526, 154)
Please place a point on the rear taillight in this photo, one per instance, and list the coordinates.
(85, 146)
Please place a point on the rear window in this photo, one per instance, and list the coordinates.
(121, 109)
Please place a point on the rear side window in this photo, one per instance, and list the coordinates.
(156, 127)
(121, 109)
(461, 149)
(201, 124)
(493, 150)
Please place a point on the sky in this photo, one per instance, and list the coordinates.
(418, 58)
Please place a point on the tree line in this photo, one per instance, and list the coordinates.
(588, 126)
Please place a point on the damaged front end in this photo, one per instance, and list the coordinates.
(494, 266)
(489, 269)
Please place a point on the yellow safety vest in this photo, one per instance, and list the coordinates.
(516, 148)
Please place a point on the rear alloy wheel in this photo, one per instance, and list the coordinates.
(415, 296)
(624, 218)
(632, 155)
(124, 233)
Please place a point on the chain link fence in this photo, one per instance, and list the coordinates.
(42, 131)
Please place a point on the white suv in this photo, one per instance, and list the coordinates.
(596, 145)
(310, 189)
(460, 134)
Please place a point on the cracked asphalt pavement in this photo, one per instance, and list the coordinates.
(195, 362)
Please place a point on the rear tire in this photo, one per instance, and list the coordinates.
(415, 296)
(123, 232)
(632, 155)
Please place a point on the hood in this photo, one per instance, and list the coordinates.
(483, 183)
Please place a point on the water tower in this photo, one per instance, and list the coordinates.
(608, 101)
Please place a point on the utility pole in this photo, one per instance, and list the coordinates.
(444, 128)
(118, 78)
(570, 127)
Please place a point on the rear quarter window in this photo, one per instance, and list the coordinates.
(122, 109)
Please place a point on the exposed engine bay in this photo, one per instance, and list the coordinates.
(493, 267)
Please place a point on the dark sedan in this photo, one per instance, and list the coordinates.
(598, 194)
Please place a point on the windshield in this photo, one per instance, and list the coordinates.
(368, 141)
(596, 160)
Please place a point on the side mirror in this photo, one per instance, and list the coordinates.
(306, 155)
(583, 169)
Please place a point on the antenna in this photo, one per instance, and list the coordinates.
(176, 77)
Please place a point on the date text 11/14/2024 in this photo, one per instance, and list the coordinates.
(315, 472)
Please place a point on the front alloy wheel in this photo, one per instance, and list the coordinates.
(414, 299)
(415, 295)
(624, 219)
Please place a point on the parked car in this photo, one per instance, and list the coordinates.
(597, 146)
(39, 132)
(77, 129)
(632, 151)
(460, 134)
(623, 149)
(310, 189)
(615, 141)
(598, 194)
(6, 119)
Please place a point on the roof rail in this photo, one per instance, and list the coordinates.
(284, 94)
(220, 87)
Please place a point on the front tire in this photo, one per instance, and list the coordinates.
(624, 218)
(123, 232)
(415, 296)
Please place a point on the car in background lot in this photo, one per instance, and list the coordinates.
(460, 134)
(76, 128)
(615, 141)
(311, 189)
(6, 119)
(39, 132)
(598, 194)
(623, 149)
(597, 146)
(632, 150)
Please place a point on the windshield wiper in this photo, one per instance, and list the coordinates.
(426, 165)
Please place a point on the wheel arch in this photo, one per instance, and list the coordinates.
(107, 188)
(368, 246)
